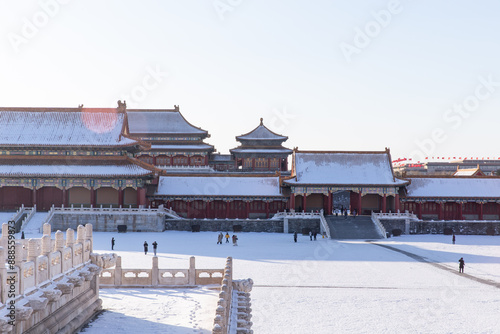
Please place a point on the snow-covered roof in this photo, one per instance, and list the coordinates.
(262, 150)
(465, 172)
(344, 168)
(160, 122)
(261, 133)
(218, 186)
(221, 157)
(202, 146)
(52, 127)
(59, 169)
(454, 187)
(468, 172)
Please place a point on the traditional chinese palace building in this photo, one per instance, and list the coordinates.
(366, 178)
(64, 156)
(453, 197)
(122, 157)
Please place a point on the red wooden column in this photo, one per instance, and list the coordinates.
(498, 210)
(65, 197)
(154, 160)
(188, 209)
(206, 160)
(441, 210)
(141, 196)
(329, 206)
(460, 211)
(93, 197)
(384, 203)
(267, 209)
(396, 203)
(359, 203)
(419, 210)
(291, 203)
(207, 209)
(227, 209)
(304, 202)
(247, 209)
(33, 196)
(120, 196)
(268, 163)
(480, 211)
(253, 163)
(189, 160)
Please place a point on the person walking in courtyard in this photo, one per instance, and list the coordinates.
(235, 240)
(219, 238)
(315, 234)
(295, 236)
(227, 238)
(345, 214)
(461, 265)
(310, 235)
(145, 247)
(453, 238)
(112, 243)
(155, 246)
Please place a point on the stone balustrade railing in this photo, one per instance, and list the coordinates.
(43, 276)
(30, 215)
(395, 215)
(38, 260)
(18, 213)
(110, 209)
(293, 214)
(155, 277)
(233, 311)
(379, 225)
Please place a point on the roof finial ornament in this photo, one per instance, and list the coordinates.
(261, 121)
(80, 106)
(122, 105)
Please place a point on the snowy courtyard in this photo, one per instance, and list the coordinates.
(322, 286)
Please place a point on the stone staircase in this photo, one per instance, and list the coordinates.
(361, 227)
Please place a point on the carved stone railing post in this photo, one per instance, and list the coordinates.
(118, 271)
(32, 250)
(80, 239)
(192, 271)
(59, 244)
(89, 235)
(80, 234)
(19, 260)
(70, 238)
(3, 275)
(19, 256)
(5, 235)
(47, 229)
(154, 272)
(46, 244)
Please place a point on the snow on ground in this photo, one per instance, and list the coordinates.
(175, 311)
(6, 216)
(323, 286)
(35, 223)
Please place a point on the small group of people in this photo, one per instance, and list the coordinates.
(313, 235)
(221, 236)
(155, 246)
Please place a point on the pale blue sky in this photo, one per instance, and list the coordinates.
(270, 59)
